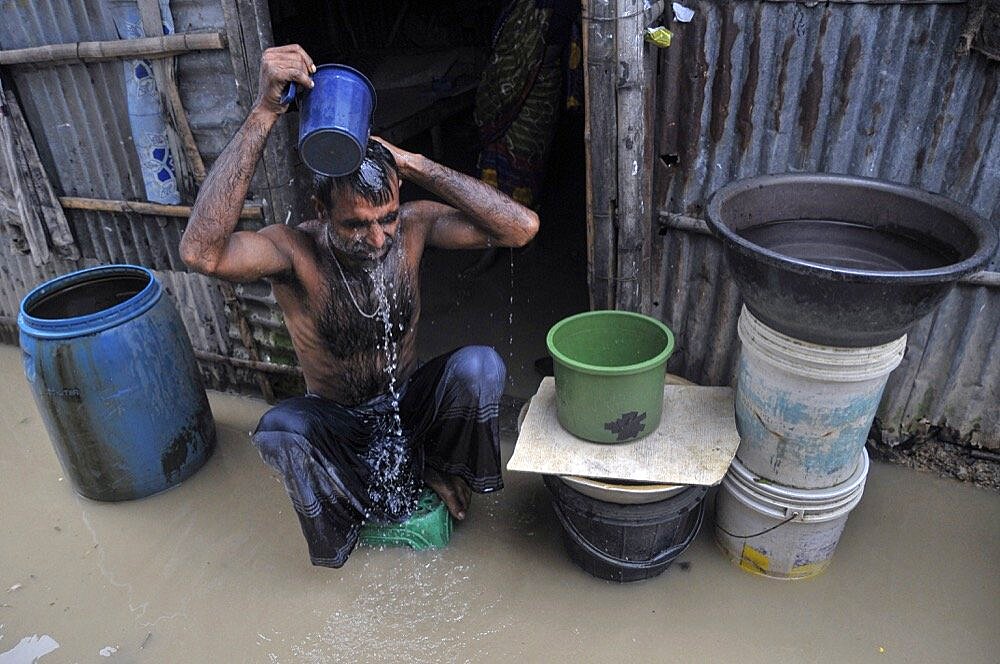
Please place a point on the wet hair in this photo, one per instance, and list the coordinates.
(371, 180)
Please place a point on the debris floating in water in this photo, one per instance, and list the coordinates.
(30, 649)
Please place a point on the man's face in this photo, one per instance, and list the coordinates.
(361, 231)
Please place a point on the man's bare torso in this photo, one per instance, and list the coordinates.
(341, 345)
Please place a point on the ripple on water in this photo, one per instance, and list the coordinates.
(421, 608)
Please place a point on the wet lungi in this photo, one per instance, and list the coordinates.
(344, 465)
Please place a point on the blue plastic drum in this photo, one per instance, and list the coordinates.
(115, 380)
(335, 119)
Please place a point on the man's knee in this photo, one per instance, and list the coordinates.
(479, 366)
(289, 416)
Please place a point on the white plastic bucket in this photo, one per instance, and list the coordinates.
(803, 410)
(782, 532)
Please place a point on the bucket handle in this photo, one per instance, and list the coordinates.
(715, 517)
(660, 558)
(289, 95)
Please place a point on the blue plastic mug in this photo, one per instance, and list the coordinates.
(335, 119)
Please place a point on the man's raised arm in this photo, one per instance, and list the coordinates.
(481, 216)
(209, 244)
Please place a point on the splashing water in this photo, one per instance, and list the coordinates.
(425, 608)
(510, 313)
(393, 486)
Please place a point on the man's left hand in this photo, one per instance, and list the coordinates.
(404, 159)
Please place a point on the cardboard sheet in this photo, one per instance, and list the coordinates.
(694, 444)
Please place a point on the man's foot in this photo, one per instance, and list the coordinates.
(452, 489)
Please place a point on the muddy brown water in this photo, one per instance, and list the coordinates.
(216, 570)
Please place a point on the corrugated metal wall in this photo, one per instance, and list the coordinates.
(746, 88)
(79, 121)
(876, 90)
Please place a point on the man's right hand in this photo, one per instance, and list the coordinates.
(278, 67)
(211, 244)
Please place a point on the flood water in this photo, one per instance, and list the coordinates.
(850, 245)
(216, 570)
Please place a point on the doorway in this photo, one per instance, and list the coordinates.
(426, 61)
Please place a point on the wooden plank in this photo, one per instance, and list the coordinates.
(31, 202)
(26, 218)
(45, 208)
(144, 208)
(427, 118)
(116, 49)
(600, 131)
(673, 453)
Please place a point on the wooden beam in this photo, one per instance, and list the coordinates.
(165, 46)
(600, 132)
(634, 93)
(142, 207)
(269, 367)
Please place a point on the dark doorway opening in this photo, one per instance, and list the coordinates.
(426, 60)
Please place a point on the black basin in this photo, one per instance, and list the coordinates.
(841, 260)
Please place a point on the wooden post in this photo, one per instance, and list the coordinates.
(248, 26)
(600, 139)
(634, 89)
(619, 87)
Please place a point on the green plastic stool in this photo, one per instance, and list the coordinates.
(429, 527)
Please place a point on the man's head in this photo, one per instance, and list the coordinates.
(361, 208)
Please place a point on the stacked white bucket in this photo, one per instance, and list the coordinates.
(803, 412)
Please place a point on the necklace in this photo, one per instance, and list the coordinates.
(378, 309)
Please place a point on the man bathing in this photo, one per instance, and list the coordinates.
(374, 425)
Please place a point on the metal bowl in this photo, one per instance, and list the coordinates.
(842, 260)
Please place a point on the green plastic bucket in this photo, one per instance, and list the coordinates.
(429, 527)
(609, 369)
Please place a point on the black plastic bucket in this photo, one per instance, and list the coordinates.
(626, 542)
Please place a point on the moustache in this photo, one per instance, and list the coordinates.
(363, 250)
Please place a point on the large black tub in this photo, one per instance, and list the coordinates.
(841, 260)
